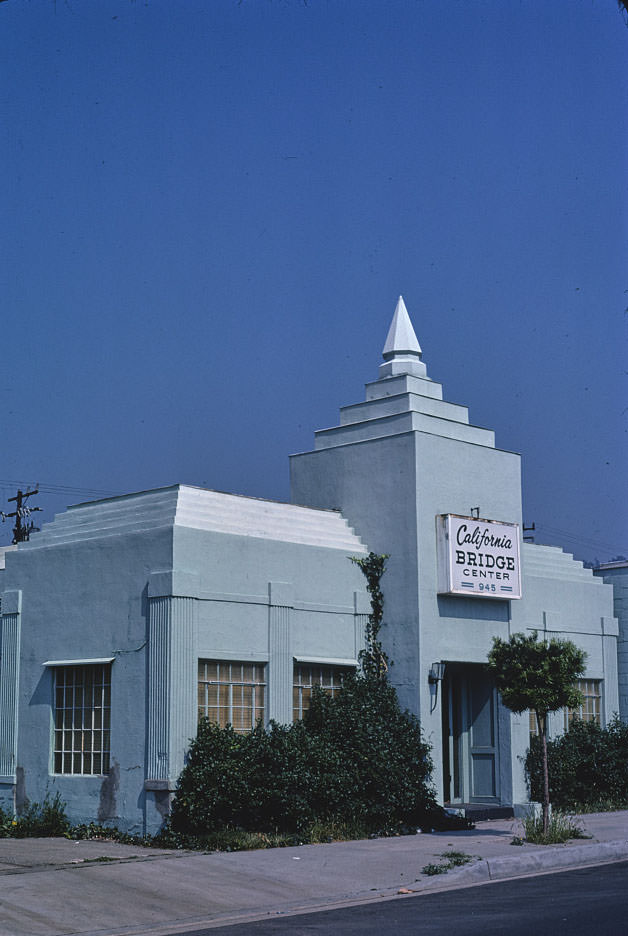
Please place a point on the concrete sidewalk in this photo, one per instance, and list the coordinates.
(50, 887)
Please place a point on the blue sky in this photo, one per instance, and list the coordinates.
(210, 208)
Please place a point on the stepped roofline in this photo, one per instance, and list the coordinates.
(182, 505)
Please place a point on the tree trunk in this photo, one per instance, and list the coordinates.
(542, 723)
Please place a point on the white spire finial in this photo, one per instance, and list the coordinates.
(402, 351)
(401, 337)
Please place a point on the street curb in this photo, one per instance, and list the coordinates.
(553, 858)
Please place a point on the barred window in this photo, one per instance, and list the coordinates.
(591, 707)
(534, 728)
(231, 693)
(309, 675)
(82, 719)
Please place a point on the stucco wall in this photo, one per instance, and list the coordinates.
(374, 484)
(82, 601)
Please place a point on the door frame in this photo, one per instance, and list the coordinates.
(458, 750)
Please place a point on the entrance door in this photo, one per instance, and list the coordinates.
(470, 743)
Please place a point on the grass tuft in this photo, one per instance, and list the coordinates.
(561, 829)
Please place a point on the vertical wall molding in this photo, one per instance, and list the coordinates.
(172, 679)
(359, 627)
(552, 621)
(280, 660)
(10, 629)
(611, 698)
(361, 611)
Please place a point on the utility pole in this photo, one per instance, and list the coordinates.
(21, 530)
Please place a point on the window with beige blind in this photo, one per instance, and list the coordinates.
(231, 693)
(309, 675)
(591, 708)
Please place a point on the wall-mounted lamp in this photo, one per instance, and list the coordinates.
(437, 672)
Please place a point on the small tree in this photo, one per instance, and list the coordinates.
(538, 675)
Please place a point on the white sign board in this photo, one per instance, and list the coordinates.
(479, 558)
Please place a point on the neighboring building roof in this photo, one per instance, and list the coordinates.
(617, 564)
(197, 508)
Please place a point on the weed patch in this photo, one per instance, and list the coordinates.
(453, 859)
(37, 820)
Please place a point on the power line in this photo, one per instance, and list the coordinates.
(590, 543)
(62, 489)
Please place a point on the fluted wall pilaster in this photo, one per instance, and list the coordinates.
(171, 686)
(281, 663)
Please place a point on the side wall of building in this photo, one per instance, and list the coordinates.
(84, 600)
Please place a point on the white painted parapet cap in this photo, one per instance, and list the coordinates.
(402, 351)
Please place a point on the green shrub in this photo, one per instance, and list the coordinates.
(376, 767)
(356, 761)
(588, 766)
(258, 781)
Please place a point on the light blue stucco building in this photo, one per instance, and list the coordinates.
(616, 574)
(125, 619)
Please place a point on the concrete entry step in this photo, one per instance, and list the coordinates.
(477, 812)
